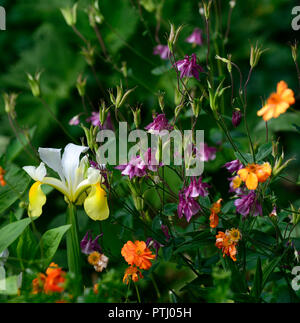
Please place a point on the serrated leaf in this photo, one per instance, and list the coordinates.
(263, 151)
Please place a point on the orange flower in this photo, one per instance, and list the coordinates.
(137, 254)
(132, 273)
(2, 181)
(94, 258)
(227, 242)
(215, 210)
(38, 283)
(55, 279)
(253, 174)
(278, 102)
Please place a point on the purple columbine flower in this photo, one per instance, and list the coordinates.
(94, 119)
(88, 245)
(196, 188)
(205, 153)
(74, 121)
(150, 242)
(162, 50)
(236, 117)
(196, 37)
(135, 167)
(233, 166)
(159, 123)
(188, 67)
(247, 204)
(187, 206)
(234, 188)
(165, 230)
(151, 161)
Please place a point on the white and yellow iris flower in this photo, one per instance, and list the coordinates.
(79, 183)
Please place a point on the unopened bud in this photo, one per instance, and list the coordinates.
(10, 104)
(95, 15)
(80, 84)
(89, 55)
(70, 14)
(34, 83)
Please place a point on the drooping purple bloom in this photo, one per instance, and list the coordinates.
(135, 167)
(188, 67)
(233, 166)
(196, 37)
(150, 242)
(196, 188)
(236, 117)
(159, 123)
(163, 51)
(151, 161)
(94, 119)
(165, 230)
(248, 204)
(88, 245)
(74, 121)
(187, 206)
(205, 153)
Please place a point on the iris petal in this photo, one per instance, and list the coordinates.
(95, 205)
(37, 199)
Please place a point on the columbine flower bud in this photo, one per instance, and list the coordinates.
(103, 112)
(70, 14)
(294, 51)
(80, 84)
(255, 54)
(124, 69)
(136, 117)
(10, 103)
(89, 55)
(236, 117)
(227, 61)
(173, 36)
(95, 15)
(161, 101)
(206, 8)
(119, 100)
(34, 83)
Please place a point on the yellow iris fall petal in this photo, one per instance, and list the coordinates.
(37, 199)
(95, 205)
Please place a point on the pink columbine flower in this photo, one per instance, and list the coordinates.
(94, 119)
(135, 168)
(236, 117)
(197, 188)
(206, 153)
(196, 37)
(187, 206)
(159, 123)
(233, 166)
(163, 51)
(188, 67)
(74, 121)
(248, 204)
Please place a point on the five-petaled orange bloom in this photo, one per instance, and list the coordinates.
(214, 211)
(132, 273)
(227, 242)
(137, 254)
(278, 102)
(253, 174)
(55, 279)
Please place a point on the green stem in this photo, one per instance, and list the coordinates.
(137, 293)
(73, 250)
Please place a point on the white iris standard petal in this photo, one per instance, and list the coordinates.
(36, 173)
(52, 158)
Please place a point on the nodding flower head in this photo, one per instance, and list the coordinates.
(78, 182)
(188, 67)
(196, 37)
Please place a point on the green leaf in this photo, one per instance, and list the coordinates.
(17, 183)
(11, 285)
(257, 283)
(263, 151)
(248, 157)
(50, 242)
(11, 232)
(269, 268)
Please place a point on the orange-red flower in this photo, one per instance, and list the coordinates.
(55, 279)
(214, 211)
(38, 283)
(132, 273)
(2, 181)
(253, 174)
(227, 242)
(278, 102)
(137, 254)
